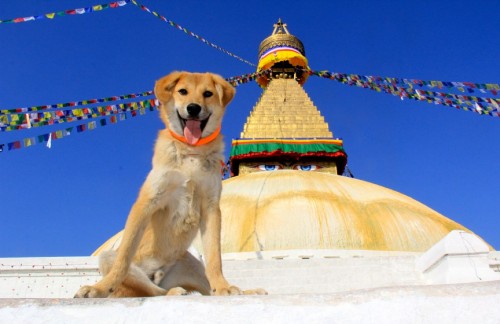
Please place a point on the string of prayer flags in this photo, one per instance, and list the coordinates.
(79, 11)
(469, 87)
(37, 116)
(74, 103)
(23, 121)
(407, 88)
(15, 113)
(119, 4)
(190, 33)
(48, 138)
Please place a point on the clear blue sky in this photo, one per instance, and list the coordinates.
(67, 200)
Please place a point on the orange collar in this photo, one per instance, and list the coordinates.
(202, 141)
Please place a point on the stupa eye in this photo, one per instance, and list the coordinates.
(269, 167)
(306, 167)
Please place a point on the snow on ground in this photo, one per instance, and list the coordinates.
(458, 303)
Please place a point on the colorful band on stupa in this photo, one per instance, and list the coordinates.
(290, 149)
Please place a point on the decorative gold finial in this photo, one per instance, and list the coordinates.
(280, 37)
(283, 54)
(280, 28)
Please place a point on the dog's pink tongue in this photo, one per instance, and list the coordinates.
(192, 131)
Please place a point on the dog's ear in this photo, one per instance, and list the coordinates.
(225, 90)
(164, 86)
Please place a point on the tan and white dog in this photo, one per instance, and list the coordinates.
(179, 197)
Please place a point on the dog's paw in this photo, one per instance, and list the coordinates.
(177, 291)
(227, 291)
(258, 291)
(90, 292)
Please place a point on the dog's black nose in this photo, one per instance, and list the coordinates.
(193, 109)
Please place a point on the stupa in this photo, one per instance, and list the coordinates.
(317, 210)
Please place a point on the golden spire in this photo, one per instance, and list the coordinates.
(284, 110)
(285, 124)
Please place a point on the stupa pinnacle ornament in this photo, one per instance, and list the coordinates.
(283, 54)
(285, 130)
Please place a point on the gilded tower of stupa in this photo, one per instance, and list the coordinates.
(285, 129)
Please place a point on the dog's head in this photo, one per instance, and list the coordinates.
(192, 104)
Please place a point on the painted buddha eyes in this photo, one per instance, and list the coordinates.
(269, 167)
(301, 167)
(305, 167)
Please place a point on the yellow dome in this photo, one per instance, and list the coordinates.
(283, 210)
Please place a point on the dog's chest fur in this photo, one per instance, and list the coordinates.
(182, 179)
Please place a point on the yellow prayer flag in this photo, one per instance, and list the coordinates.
(50, 15)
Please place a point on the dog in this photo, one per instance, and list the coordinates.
(179, 197)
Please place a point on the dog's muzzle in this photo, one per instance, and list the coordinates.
(192, 126)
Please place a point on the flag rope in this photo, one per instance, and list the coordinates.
(29, 117)
(407, 88)
(78, 11)
(119, 4)
(190, 33)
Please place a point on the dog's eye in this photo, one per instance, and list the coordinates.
(207, 94)
(183, 92)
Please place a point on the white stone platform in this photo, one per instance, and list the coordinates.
(457, 280)
(459, 303)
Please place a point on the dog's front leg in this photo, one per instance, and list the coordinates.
(147, 203)
(211, 234)
(134, 229)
